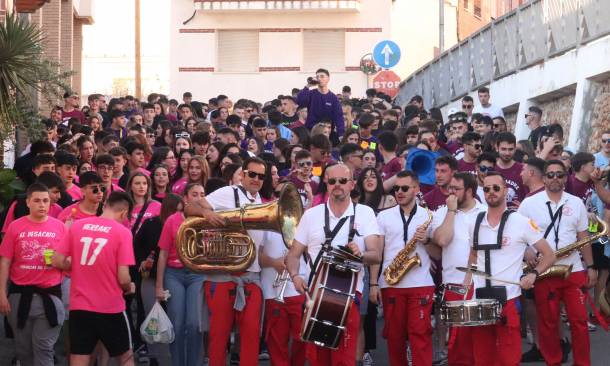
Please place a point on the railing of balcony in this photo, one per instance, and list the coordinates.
(534, 32)
(231, 5)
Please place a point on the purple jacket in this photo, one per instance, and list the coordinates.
(321, 106)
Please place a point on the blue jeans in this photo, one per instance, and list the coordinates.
(184, 287)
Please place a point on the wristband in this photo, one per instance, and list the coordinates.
(591, 266)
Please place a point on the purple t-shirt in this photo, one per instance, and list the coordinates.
(466, 167)
(321, 106)
(578, 188)
(516, 189)
(435, 198)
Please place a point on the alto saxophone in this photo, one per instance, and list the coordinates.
(402, 263)
(562, 270)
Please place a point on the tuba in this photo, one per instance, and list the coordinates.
(204, 248)
(562, 270)
(421, 162)
(402, 263)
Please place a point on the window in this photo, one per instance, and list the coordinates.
(324, 49)
(477, 8)
(466, 4)
(238, 51)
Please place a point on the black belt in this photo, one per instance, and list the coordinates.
(25, 302)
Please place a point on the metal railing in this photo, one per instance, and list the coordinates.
(536, 31)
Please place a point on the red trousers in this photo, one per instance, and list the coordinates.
(220, 297)
(459, 349)
(345, 355)
(406, 313)
(549, 293)
(283, 322)
(499, 344)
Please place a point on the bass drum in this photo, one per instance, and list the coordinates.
(332, 294)
(471, 313)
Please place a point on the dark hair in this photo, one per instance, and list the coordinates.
(253, 160)
(467, 98)
(408, 174)
(469, 180)
(190, 186)
(117, 198)
(349, 149)
(201, 138)
(554, 162)
(366, 120)
(302, 154)
(133, 146)
(487, 156)
(51, 180)
(228, 172)
(320, 142)
(447, 160)
(213, 184)
(496, 174)
(41, 147)
(43, 159)
(154, 191)
(324, 71)
(148, 106)
(259, 122)
(536, 163)
(483, 89)
(89, 178)
(388, 140)
(346, 89)
(376, 196)
(580, 159)
(158, 156)
(104, 159)
(36, 187)
(470, 137)
(536, 110)
(506, 137)
(169, 206)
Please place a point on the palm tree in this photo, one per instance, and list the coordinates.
(25, 76)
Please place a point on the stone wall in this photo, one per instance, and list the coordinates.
(600, 118)
(559, 111)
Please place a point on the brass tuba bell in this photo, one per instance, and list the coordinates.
(204, 248)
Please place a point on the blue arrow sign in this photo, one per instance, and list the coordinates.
(386, 54)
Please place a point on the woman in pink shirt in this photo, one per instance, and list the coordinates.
(198, 170)
(184, 288)
(139, 188)
(160, 175)
(181, 176)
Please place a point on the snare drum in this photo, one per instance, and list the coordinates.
(471, 313)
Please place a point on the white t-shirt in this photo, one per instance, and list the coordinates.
(275, 248)
(507, 262)
(491, 110)
(310, 231)
(391, 228)
(456, 254)
(224, 198)
(573, 220)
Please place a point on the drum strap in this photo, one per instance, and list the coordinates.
(406, 223)
(489, 247)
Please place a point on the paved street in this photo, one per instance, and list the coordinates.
(600, 342)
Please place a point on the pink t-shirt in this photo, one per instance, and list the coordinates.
(54, 211)
(24, 244)
(72, 212)
(75, 192)
(98, 246)
(153, 209)
(179, 186)
(167, 241)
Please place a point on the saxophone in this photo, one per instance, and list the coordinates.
(402, 263)
(562, 270)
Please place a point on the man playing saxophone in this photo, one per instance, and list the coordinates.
(563, 219)
(407, 300)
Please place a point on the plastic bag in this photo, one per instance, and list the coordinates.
(157, 328)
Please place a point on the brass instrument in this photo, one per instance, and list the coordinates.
(204, 248)
(402, 263)
(562, 270)
(281, 281)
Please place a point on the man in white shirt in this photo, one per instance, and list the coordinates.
(499, 240)
(238, 296)
(486, 108)
(310, 236)
(448, 233)
(563, 219)
(407, 304)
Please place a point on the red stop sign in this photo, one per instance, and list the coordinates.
(386, 82)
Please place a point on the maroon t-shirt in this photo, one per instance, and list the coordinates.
(454, 147)
(534, 192)
(584, 191)
(435, 198)
(467, 167)
(300, 185)
(390, 169)
(512, 176)
(65, 116)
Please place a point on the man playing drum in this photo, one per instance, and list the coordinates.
(448, 233)
(311, 236)
(499, 238)
(407, 305)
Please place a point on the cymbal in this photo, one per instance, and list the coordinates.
(479, 273)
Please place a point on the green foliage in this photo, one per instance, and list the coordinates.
(9, 187)
(25, 76)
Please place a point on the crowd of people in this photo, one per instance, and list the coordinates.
(91, 245)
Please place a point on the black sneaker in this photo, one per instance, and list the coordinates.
(566, 347)
(533, 355)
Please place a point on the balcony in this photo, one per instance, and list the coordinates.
(29, 6)
(222, 6)
(84, 10)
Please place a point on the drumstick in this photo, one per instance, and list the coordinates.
(485, 275)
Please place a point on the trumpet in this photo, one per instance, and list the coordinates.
(281, 281)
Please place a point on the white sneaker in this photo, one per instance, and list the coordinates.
(592, 327)
(367, 360)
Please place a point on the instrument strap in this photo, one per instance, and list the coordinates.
(489, 247)
(554, 217)
(134, 228)
(406, 223)
(236, 195)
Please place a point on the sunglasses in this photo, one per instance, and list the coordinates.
(333, 181)
(183, 134)
(605, 141)
(485, 169)
(305, 163)
(253, 175)
(405, 189)
(498, 125)
(495, 187)
(97, 189)
(467, 106)
(476, 146)
(553, 175)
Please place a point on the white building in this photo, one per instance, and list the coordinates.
(259, 49)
